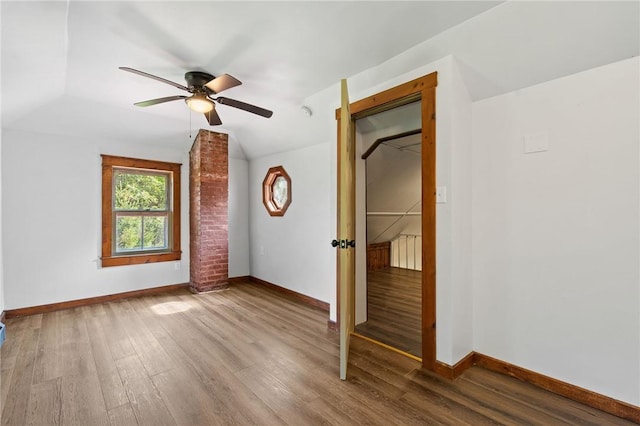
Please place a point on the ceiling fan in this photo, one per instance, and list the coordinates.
(202, 87)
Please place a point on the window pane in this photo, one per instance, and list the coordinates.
(155, 232)
(280, 191)
(140, 233)
(140, 191)
(128, 233)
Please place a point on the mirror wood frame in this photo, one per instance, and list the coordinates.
(267, 191)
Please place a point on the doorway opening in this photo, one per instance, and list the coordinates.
(389, 184)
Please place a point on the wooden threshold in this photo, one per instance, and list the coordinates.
(384, 345)
(34, 310)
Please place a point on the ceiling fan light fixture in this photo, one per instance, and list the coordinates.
(199, 103)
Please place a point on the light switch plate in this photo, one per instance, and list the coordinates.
(441, 194)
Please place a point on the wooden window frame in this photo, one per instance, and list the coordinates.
(267, 191)
(109, 257)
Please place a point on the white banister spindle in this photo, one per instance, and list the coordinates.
(406, 252)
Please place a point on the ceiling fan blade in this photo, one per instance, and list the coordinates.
(164, 80)
(223, 82)
(159, 101)
(244, 106)
(213, 118)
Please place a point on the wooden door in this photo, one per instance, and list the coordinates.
(346, 228)
(422, 89)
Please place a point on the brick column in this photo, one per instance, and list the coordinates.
(208, 217)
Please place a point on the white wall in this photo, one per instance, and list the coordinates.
(459, 196)
(239, 264)
(1, 245)
(294, 251)
(556, 234)
(1, 252)
(52, 219)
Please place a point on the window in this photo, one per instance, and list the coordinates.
(140, 211)
(276, 191)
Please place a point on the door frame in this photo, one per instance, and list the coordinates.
(422, 89)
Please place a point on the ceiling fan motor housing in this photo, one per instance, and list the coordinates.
(196, 81)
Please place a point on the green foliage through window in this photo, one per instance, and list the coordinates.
(140, 191)
(140, 204)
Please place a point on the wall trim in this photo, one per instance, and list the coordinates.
(573, 392)
(41, 309)
(308, 300)
(239, 280)
(576, 393)
(452, 372)
(2, 316)
(332, 325)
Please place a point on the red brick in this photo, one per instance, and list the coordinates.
(208, 194)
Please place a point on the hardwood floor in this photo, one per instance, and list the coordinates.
(394, 298)
(246, 355)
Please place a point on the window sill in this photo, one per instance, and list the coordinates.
(140, 259)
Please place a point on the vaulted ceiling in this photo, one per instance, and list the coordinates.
(60, 59)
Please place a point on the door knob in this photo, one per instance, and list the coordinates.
(343, 243)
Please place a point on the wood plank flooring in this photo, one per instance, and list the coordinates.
(243, 356)
(394, 298)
